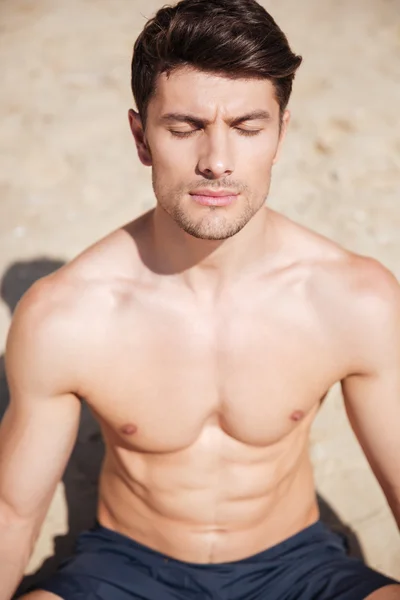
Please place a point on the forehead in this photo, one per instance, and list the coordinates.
(207, 94)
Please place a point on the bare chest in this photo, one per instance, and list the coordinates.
(161, 376)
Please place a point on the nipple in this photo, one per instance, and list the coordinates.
(298, 415)
(129, 429)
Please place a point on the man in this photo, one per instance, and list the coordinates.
(203, 336)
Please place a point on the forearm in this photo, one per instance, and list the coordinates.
(393, 500)
(395, 508)
(16, 545)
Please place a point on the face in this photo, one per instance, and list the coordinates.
(211, 143)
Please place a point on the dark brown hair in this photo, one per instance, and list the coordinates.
(234, 38)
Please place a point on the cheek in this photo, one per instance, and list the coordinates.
(259, 159)
(267, 147)
(171, 155)
(261, 149)
(171, 166)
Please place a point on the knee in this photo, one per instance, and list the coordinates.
(40, 595)
(389, 592)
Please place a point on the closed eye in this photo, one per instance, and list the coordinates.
(184, 134)
(248, 132)
(244, 132)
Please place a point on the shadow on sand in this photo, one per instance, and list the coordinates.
(82, 472)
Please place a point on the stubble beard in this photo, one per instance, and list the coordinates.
(214, 225)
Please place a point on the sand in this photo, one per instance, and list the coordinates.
(69, 174)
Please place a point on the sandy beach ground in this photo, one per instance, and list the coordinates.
(69, 175)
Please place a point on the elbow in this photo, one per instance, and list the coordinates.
(8, 515)
(393, 500)
(11, 523)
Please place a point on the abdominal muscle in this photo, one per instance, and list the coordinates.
(217, 501)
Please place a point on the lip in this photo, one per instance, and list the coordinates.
(225, 199)
(213, 193)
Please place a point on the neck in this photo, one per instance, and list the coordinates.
(211, 264)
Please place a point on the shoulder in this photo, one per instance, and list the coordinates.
(360, 290)
(65, 319)
(366, 286)
(111, 267)
(372, 282)
(362, 307)
(64, 314)
(374, 314)
(98, 276)
(372, 318)
(39, 345)
(344, 276)
(43, 339)
(46, 303)
(355, 298)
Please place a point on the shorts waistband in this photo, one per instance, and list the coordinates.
(313, 534)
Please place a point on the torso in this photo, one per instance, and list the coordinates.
(206, 408)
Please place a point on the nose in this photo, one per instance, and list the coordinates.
(216, 158)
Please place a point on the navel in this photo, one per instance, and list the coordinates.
(298, 415)
(129, 429)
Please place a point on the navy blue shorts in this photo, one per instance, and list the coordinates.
(310, 565)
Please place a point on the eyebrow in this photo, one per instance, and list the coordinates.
(255, 115)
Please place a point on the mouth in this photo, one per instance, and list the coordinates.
(213, 198)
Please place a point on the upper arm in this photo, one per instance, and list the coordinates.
(372, 392)
(39, 428)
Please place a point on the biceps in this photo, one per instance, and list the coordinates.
(35, 444)
(373, 403)
(373, 407)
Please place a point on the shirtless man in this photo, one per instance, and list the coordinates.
(203, 335)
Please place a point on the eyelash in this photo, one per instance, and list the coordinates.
(186, 134)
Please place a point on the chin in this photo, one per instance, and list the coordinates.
(212, 237)
(217, 225)
(216, 234)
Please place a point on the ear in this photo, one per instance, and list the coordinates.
(282, 135)
(136, 126)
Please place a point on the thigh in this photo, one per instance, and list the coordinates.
(40, 595)
(313, 565)
(98, 577)
(346, 579)
(80, 587)
(64, 587)
(390, 592)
